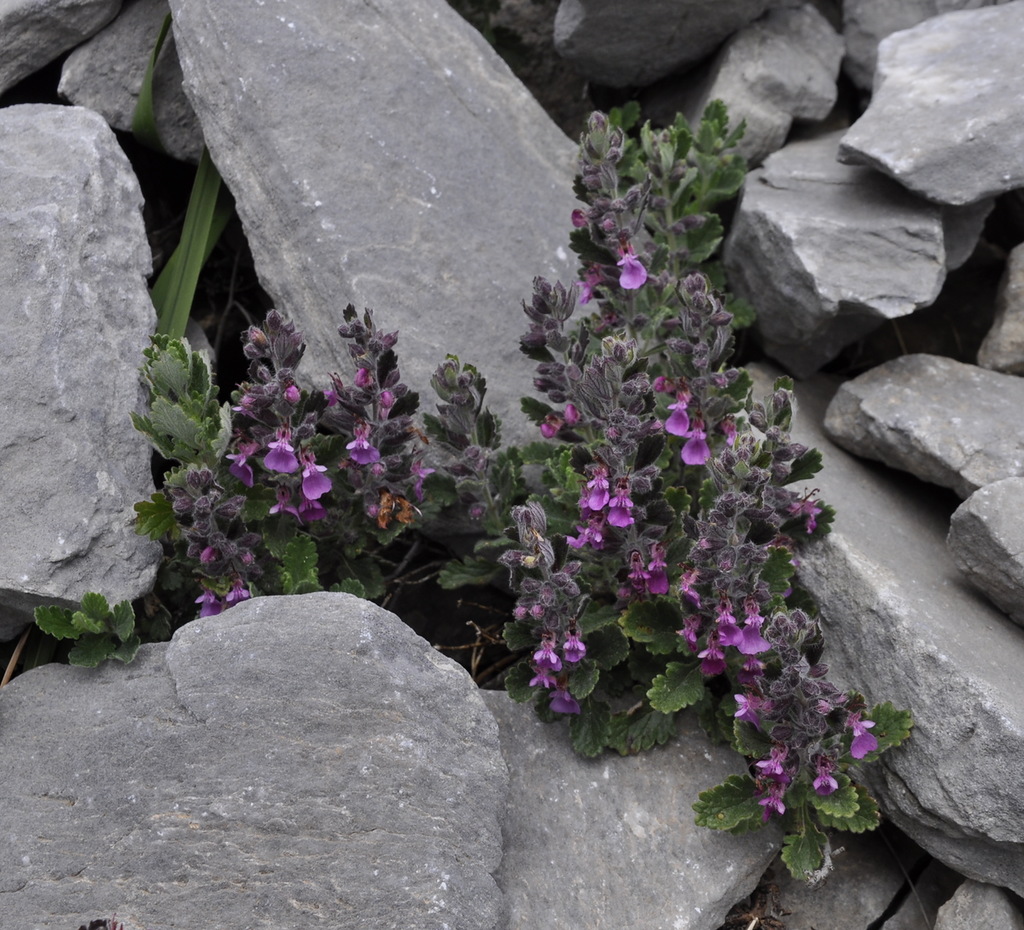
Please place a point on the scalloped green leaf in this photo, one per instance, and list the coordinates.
(730, 806)
(155, 517)
(91, 649)
(866, 817)
(590, 728)
(654, 623)
(57, 621)
(803, 853)
(680, 686)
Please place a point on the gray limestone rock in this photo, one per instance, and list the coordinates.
(986, 539)
(945, 118)
(826, 252)
(952, 424)
(976, 905)
(932, 888)
(867, 22)
(900, 625)
(105, 74)
(73, 267)
(295, 762)
(35, 32)
(633, 44)
(780, 68)
(610, 842)
(1003, 348)
(386, 156)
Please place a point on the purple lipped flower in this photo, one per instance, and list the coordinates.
(691, 631)
(863, 742)
(824, 782)
(562, 702)
(240, 467)
(545, 656)
(633, 274)
(810, 508)
(362, 451)
(310, 510)
(573, 648)
(551, 425)
(621, 505)
(729, 632)
(284, 503)
(747, 706)
(238, 593)
(638, 575)
(696, 451)
(597, 499)
(211, 603)
(753, 642)
(363, 378)
(592, 534)
(657, 582)
(678, 423)
(772, 801)
(315, 483)
(208, 555)
(686, 582)
(590, 280)
(572, 415)
(420, 472)
(712, 658)
(543, 677)
(281, 457)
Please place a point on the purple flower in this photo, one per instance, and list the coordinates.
(633, 273)
(551, 425)
(237, 594)
(363, 378)
(545, 656)
(598, 487)
(572, 415)
(712, 658)
(825, 783)
(543, 677)
(678, 424)
(729, 633)
(284, 503)
(696, 450)
(562, 702)
(747, 707)
(211, 604)
(240, 467)
(772, 801)
(863, 742)
(420, 472)
(310, 510)
(657, 582)
(619, 512)
(808, 507)
(686, 582)
(281, 457)
(362, 451)
(315, 483)
(590, 280)
(591, 534)
(292, 394)
(579, 219)
(573, 648)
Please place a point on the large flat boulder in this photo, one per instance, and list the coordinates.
(610, 842)
(901, 625)
(384, 155)
(73, 265)
(945, 119)
(293, 762)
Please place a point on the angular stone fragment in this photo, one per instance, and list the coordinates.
(975, 905)
(610, 842)
(986, 539)
(826, 252)
(952, 424)
(294, 762)
(35, 32)
(867, 22)
(383, 154)
(105, 74)
(781, 68)
(900, 625)
(946, 116)
(1003, 348)
(73, 265)
(633, 44)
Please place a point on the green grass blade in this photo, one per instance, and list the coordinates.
(144, 118)
(209, 209)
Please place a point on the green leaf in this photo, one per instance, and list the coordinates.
(534, 409)
(518, 635)
(865, 818)
(95, 607)
(679, 499)
(128, 649)
(730, 806)
(299, 573)
(350, 586)
(680, 686)
(638, 732)
(144, 118)
(805, 466)
(654, 623)
(840, 804)
(778, 569)
(803, 853)
(122, 621)
(155, 517)
(517, 683)
(208, 212)
(583, 679)
(891, 728)
(589, 729)
(607, 647)
(468, 571)
(597, 616)
(56, 621)
(91, 649)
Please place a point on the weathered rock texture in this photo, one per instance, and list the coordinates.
(35, 32)
(805, 230)
(295, 762)
(944, 119)
(633, 44)
(986, 539)
(955, 425)
(1003, 348)
(583, 835)
(781, 68)
(383, 155)
(105, 74)
(900, 625)
(976, 905)
(73, 266)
